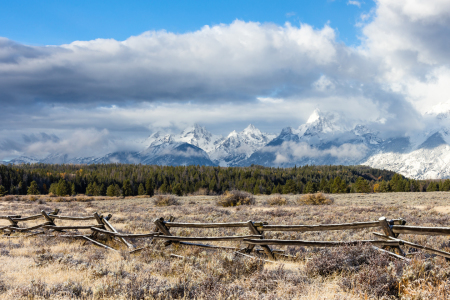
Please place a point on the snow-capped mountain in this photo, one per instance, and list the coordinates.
(200, 137)
(23, 160)
(320, 123)
(238, 146)
(326, 138)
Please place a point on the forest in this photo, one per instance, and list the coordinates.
(131, 180)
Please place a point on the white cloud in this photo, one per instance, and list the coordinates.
(227, 76)
(323, 83)
(356, 3)
(291, 152)
(269, 100)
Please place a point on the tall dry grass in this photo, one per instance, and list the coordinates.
(55, 268)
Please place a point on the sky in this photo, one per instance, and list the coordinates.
(85, 77)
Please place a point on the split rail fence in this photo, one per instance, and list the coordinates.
(390, 242)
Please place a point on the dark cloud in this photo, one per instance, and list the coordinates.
(224, 77)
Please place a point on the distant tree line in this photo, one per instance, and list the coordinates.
(130, 180)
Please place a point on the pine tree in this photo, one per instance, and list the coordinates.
(290, 187)
(126, 188)
(102, 190)
(141, 189)
(446, 185)
(362, 186)
(74, 192)
(117, 190)
(149, 187)
(177, 190)
(33, 189)
(111, 191)
(63, 188)
(2, 191)
(431, 187)
(310, 188)
(90, 189)
(256, 190)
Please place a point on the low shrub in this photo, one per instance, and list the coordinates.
(165, 200)
(362, 269)
(315, 199)
(235, 198)
(277, 199)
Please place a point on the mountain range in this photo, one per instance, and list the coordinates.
(325, 139)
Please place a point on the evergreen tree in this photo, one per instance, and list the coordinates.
(33, 189)
(323, 185)
(126, 188)
(117, 190)
(177, 190)
(74, 192)
(20, 188)
(362, 186)
(63, 188)
(102, 190)
(2, 191)
(290, 187)
(164, 188)
(310, 188)
(446, 185)
(53, 188)
(256, 190)
(90, 189)
(431, 187)
(149, 187)
(212, 185)
(111, 191)
(339, 185)
(141, 189)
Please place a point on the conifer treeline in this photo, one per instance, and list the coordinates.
(128, 180)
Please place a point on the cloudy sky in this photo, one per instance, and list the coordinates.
(85, 77)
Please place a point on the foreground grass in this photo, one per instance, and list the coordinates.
(43, 267)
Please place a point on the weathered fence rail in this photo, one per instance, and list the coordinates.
(389, 242)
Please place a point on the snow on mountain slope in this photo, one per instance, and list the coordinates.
(320, 124)
(174, 154)
(423, 163)
(23, 160)
(200, 137)
(238, 146)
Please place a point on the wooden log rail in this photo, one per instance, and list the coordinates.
(391, 229)
(320, 243)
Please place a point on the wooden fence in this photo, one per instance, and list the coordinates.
(389, 243)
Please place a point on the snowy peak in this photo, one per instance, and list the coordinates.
(238, 146)
(315, 116)
(251, 129)
(158, 138)
(441, 107)
(320, 123)
(199, 137)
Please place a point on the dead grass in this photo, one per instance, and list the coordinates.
(277, 199)
(315, 199)
(236, 198)
(165, 200)
(49, 268)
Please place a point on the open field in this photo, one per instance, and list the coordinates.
(46, 267)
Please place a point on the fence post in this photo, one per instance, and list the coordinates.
(111, 228)
(266, 248)
(161, 227)
(388, 231)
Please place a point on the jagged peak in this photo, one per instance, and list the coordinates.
(234, 133)
(316, 115)
(251, 129)
(286, 130)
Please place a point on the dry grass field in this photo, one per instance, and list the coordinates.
(41, 267)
